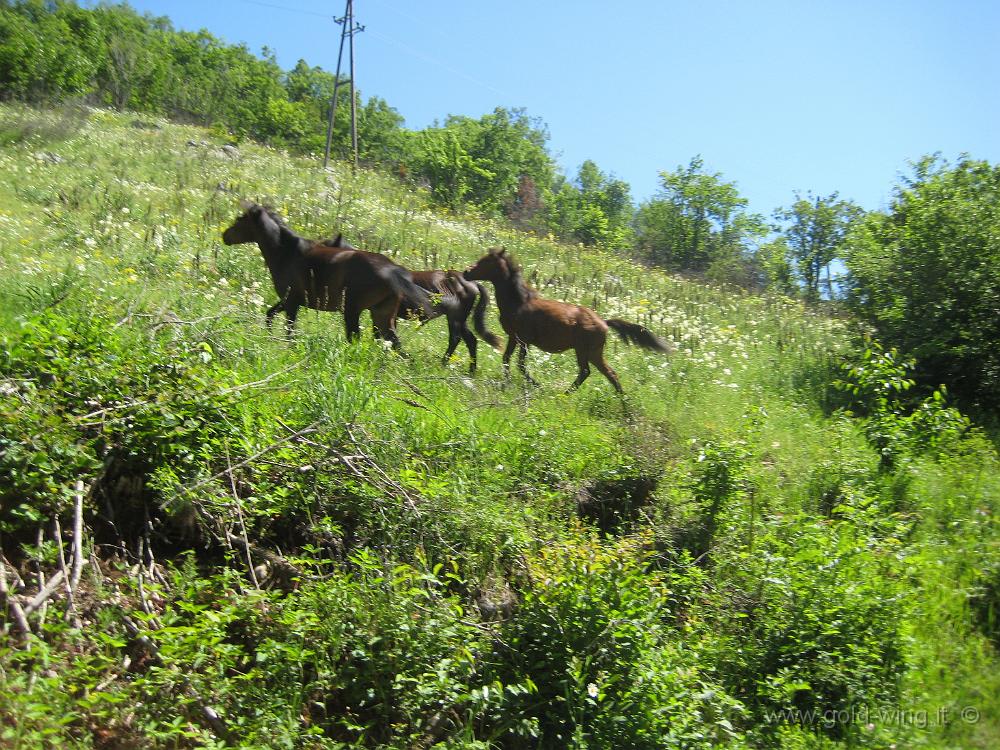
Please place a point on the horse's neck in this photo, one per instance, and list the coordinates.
(512, 294)
(278, 242)
(280, 246)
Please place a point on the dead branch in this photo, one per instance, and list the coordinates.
(243, 527)
(262, 381)
(77, 534)
(67, 581)
(43, 595)
(198, 485)
(209, 714)
(20, 618)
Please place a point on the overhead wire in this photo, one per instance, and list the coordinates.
(401, 46)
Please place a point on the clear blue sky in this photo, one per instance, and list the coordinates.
(777, 96)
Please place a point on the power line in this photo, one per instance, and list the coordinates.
(285, 7)
(444, 66)
(402, 46)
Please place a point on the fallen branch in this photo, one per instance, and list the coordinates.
(67, 580)
(19, 615)
(209, 714)
(262, 381)
(229, 470)
(77, 534)
(243, 527)
(43, 595)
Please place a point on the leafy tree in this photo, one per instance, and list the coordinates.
(136, 71)
(696, 219)
(48, 51)
(445, 162)
(380, 133)
(483, 161)
(510, 145)
(926, 275)
(592, 209)
(816, 228)
(776, 274)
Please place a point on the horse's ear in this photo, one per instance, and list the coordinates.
(339, 242)
(503, 251)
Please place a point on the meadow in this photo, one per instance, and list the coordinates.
(316, 543)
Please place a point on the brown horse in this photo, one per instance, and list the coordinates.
(329, 275)
(552, 326)
(456, 298)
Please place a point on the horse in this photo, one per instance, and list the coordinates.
(530, 320)
(329, 275)
(456, 298)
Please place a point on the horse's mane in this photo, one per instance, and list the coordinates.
(290, 240)
(338, 241)
(272, 212)
(517, 279)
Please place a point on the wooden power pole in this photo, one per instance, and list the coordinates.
(348, 30)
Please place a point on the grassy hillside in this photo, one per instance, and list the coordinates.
(321, 544)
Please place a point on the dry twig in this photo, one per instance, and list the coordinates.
(19, 615)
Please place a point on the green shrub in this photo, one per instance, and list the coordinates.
(814, 637)
(592, 634)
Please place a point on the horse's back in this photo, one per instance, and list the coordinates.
(554, 326)
(324, 271)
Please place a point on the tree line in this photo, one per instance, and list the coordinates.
(924, 274)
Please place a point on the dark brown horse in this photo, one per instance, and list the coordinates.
(328, 275)
(530, 320)
(453, 296)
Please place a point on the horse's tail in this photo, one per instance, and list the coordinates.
(633, 333)
(479, 318)
(401, 282)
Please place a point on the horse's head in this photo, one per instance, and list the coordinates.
(496, 264)
(246, 226)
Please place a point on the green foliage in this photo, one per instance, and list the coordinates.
(815, 639)
(48, 52)
(595, 209)
(815, 231)
(482, 162)
(897, 426)
(593, 638)
(696, 220)
(80, 405)
(926, 275)
(115, 56)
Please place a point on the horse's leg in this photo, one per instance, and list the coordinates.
(291, 313)
(522, 353)
(607, 372)
(352, 317)
(272, 311)
(454, 337)
(470, 344)
(507, 354)
(584, 365)
(384, 320)
(462, 314)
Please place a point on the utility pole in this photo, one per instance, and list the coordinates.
(348, 30)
